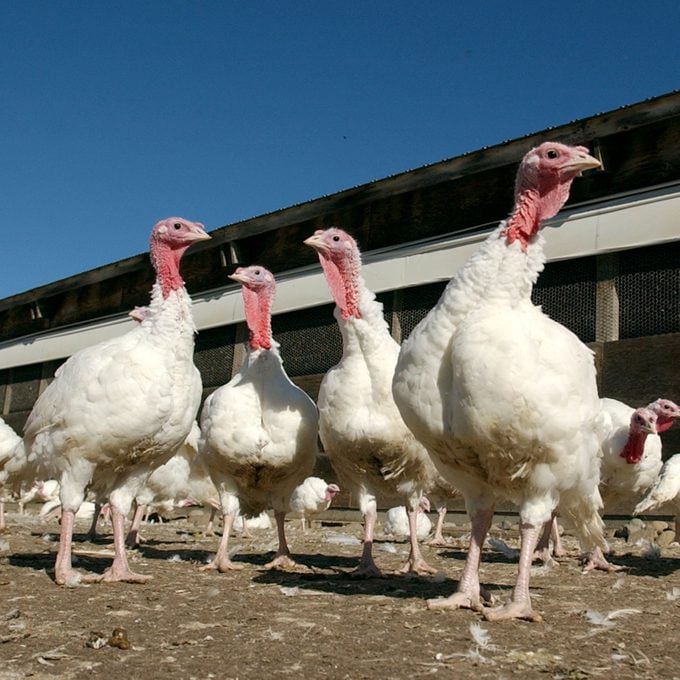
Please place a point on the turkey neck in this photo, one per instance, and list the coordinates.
(169, 314)
(165, 259)
(365, 334)
(634, 448)
(169, 317)
(258, 306)
(359, 314)
(345, 281)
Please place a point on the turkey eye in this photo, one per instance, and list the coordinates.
(336, 238)
(257, 272)
(177, 225)
(552, 153)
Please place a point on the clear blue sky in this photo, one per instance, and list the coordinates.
(116, 114)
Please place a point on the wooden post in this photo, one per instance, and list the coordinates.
(607, 298)
(397, 300)
(240, 338)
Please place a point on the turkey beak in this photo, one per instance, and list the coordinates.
(582, 162)
(197, 234)
(239, 276)
(315, 242)
(649, 427)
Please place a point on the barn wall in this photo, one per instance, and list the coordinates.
(643, 364)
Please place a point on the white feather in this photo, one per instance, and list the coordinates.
(608, 619)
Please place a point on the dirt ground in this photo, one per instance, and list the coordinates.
(320, 622)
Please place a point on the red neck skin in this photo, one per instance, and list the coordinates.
(258, 305)
(634, 447)
(532, 206)
(165, 260)
(524, 221)
(664, 423)
(343, 280)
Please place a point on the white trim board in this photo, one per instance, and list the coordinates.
(623, 223)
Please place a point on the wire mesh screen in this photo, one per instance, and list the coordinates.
(416, 302)
(566, 292)
(649, 291)
(214, 355)
(310, 340)
(25, 387)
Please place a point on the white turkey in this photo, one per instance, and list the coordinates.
(42, 491)
(631, 460)
(51, 509)
(665, 492)
(503, 397)
(11, 455)
(245, 524)
(396, 521)
(48, 492)
(117, 410)
(201, 490)
(632, 452)
(166, 485)
(371, 449)
(259, 431)
(312, 497)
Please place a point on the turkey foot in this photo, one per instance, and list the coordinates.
(512, 610)
(71, 577)
(437, 542)
(125, 574)
(282, 562)
(597, 560)
(419, 566)
(223, 565)
(545, 557)
(366, 569)
(463, 599)
(460, 600)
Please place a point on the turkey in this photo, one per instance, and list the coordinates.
(259, 431)
(665, 492)
(365, 438)
(11, 455)
(396, 521)
(503, 397)
(311, 497)
(42, 491)
(201, 490)
(245, 524)
(51, 509)
(48, 492)
(166, 485)
(117, 410)
(632, 452)
(631, 460)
